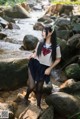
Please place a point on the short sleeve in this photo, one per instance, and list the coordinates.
(58, 52)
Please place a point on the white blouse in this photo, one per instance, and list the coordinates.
(45, 59)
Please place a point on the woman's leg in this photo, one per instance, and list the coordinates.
(30, 83)
(39, 87)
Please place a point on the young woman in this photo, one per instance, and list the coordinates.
(46, 56)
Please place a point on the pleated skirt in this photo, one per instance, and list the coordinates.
(37, 70)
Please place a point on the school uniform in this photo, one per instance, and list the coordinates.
(38, 65)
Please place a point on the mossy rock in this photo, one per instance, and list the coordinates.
(13, 74)
(73, 71)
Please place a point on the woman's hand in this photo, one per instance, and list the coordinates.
(47, 71)
(33, 55)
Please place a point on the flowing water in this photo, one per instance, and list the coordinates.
(10, 48)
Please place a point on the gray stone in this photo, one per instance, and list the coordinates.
(64, 104)
(30, 42)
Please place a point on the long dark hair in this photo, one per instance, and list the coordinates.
(53, 43)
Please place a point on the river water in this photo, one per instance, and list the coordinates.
(10, 48)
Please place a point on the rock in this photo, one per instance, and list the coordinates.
(9, 19)
(48, 113)
(2, 35)
(63, 21)
(37, 7)
(38, 26)
(44, 18)
(64, 104)
(64, 49)
(62, 33)
(75, 19)
(30, 42)
(73, 71)
(71, 88)
(13, 26)
(15, 73)
(25, 6)
(74, 41)
(3, 22)
(59, 9)
(31, 112)
(16, 12)
(76, 27)
(6, 107)
(66, 9)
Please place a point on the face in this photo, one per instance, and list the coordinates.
(44, 34)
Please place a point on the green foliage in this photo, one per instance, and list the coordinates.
(68, 2)
(10, 2)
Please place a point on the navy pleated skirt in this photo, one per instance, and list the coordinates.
(37, 70)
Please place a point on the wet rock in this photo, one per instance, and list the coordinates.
(5, 106)
(2, 35)
(38, 26)
(13, 26)
(15, 73)
(74, 41)
(3, 22)
(30, 42)
(64, 104)
(73, 71)
(37, 7)
(48, 113)
(16, 12)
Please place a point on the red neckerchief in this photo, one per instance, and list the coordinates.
(46, 51)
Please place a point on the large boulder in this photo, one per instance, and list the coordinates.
(74, 41)
(62, 33)
(48, 113)
(30, 42)
(16, 12)
(13, 73)
(73, 71)
(64, 49)
(64, 104)
(60, 9)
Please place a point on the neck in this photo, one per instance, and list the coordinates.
(48, 40)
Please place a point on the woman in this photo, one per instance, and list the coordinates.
(46, 56)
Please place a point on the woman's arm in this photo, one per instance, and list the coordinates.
(48, 70)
